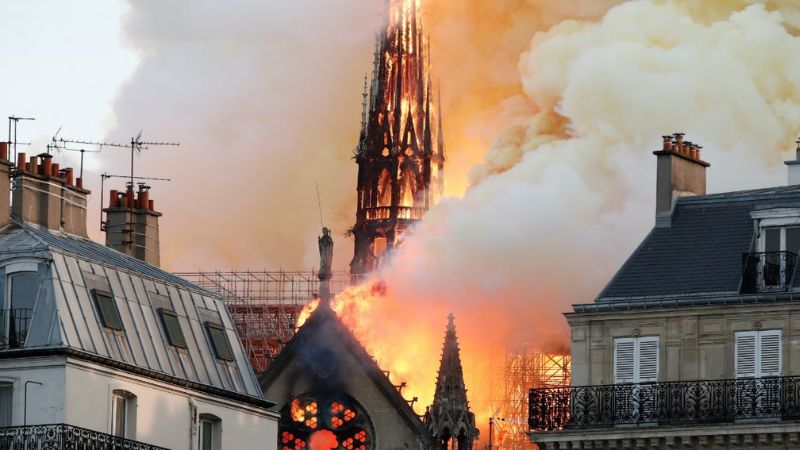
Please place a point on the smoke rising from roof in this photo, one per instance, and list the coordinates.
(564, 195)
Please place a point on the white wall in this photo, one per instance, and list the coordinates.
(79, 393)
(163, 410)
(45, 403)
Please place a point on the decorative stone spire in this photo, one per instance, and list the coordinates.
(449, 419)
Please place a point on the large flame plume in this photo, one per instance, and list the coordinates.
(556, 204)
(563, 196)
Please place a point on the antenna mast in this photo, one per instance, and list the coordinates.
(15, 121)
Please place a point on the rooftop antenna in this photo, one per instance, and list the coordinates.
(61, 144)
(13, 121)
(319, 203)
(105, 176)
(137, 145)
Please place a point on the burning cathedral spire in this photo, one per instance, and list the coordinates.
(400, 153)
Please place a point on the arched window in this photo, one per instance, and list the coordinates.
(210, 432)
(23, 288)
(325, 422)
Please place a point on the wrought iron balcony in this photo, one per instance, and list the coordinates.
(64, 437)
(669, 403)
(14, 326)
(768, 272)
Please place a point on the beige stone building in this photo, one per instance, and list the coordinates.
(695, 342)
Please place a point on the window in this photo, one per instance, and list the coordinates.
(636, 360)
(107, 308)
(23, 290)
(210, 435)
(172, 327)
(222, 348)
(6, 400)
(758, 354)
(123, 414)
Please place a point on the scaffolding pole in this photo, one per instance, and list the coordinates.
(265, 305)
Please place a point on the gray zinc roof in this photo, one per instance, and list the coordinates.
(701, 252)
(65, 315)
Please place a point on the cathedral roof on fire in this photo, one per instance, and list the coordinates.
(324, 355)
(698, 258)
(82, 299)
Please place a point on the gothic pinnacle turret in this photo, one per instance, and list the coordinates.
(449, 418)
(400, 154)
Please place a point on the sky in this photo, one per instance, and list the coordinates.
(63, 64)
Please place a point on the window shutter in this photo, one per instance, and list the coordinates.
(624, 360)
(746, 354)
(648, 359)
(770, 353)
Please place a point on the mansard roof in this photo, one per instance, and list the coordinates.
(697, 259)
(66, 321)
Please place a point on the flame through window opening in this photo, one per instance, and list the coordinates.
(324, 422)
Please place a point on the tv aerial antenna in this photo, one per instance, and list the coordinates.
(136, 145)
(13, 122)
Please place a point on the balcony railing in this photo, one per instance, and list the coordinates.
(403, 212)
(768, 272)
(669, 403)
(64, 437)
(14, 326)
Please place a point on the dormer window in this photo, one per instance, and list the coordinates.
(107, 309)
(219, 341)
(771, 267)
(21, 293)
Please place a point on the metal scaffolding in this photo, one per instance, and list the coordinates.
(265, 305)
(525, 368)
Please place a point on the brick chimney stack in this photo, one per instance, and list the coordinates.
(681, 173)
(131, 224)
(45, 195)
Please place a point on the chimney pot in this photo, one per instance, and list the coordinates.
(113, 199)
(4, 151)
(21, 161)
(34, 162)
(68, 171)
(79, 182)
(55, 170)
(151, 205)
(680, 173)
(47, 165)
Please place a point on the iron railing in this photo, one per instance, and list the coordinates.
(669, 403)
(768, 272)
(64, 437)
(14, 326)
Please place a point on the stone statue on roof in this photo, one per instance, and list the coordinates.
(325, 254)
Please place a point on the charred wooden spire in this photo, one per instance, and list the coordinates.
(400, 154)
(449, 419)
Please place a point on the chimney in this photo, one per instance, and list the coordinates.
(794, 167)
(5, 184)
(43, 195)
(680, 173)
(131, 224)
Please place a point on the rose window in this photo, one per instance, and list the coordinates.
(324, 423)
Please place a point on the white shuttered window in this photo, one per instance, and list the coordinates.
(636, 360)
(758, 354)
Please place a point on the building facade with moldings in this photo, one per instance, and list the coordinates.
(695, 341)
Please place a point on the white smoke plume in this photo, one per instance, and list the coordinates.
(565, 195)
